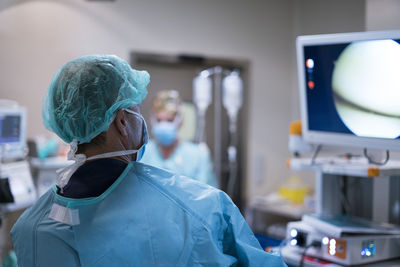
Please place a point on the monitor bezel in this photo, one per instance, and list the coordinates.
(330, 138)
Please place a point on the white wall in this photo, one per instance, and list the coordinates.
(382, 15)
(38, 36)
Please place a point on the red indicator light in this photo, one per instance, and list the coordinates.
(311, 85)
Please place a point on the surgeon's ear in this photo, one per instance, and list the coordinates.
(121, 123)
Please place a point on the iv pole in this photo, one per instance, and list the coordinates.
(229, 89)
(202, 92)
(232, 86)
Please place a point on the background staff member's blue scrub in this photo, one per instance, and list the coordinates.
(188, 159)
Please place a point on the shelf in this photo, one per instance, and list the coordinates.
(282, 208)
(340, 166)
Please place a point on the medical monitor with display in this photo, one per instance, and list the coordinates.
(12, 132)
(350, 89)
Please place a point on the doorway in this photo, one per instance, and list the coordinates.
(177, 72)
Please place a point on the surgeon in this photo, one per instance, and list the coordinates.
(167, 150)
(108, 209)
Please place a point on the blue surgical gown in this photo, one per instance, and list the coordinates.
(147, 217)
(188, 159)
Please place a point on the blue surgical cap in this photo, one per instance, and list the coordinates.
(85, 94)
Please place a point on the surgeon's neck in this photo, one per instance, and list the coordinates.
(167, 151)
(113, 142)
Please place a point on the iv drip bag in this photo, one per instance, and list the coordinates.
(232, 87)
(202, 91)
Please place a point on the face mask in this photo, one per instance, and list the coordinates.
(66, 173)
(165, 132)
(145, 136)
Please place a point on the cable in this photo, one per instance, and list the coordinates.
(371, 161)
(314, 156)
(314, 243)
(346, 207)
(281, 245)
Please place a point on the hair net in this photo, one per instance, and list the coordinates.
(167, 101)
(85, 93)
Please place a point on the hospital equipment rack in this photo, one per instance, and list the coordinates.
(372, 189)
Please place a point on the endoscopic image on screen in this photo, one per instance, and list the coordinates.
(366, 88)
(355, 88)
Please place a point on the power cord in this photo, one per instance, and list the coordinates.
(315, 154)
(282, 244)
(343, 183)
(314, 243)
(370, 160)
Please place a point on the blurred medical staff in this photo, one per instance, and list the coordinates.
(167, 150)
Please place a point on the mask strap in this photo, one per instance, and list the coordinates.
(178, 119)
(65, 173)
(113, 154)
(72, 150)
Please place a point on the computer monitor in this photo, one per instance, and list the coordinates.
(12, 132)
(350, 89)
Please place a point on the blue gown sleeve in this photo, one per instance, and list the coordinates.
(231, 242)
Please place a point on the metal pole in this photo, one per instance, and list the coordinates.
(217, 121)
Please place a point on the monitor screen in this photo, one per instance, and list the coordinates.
(10, 128)
(350, 89)
(12, 132)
